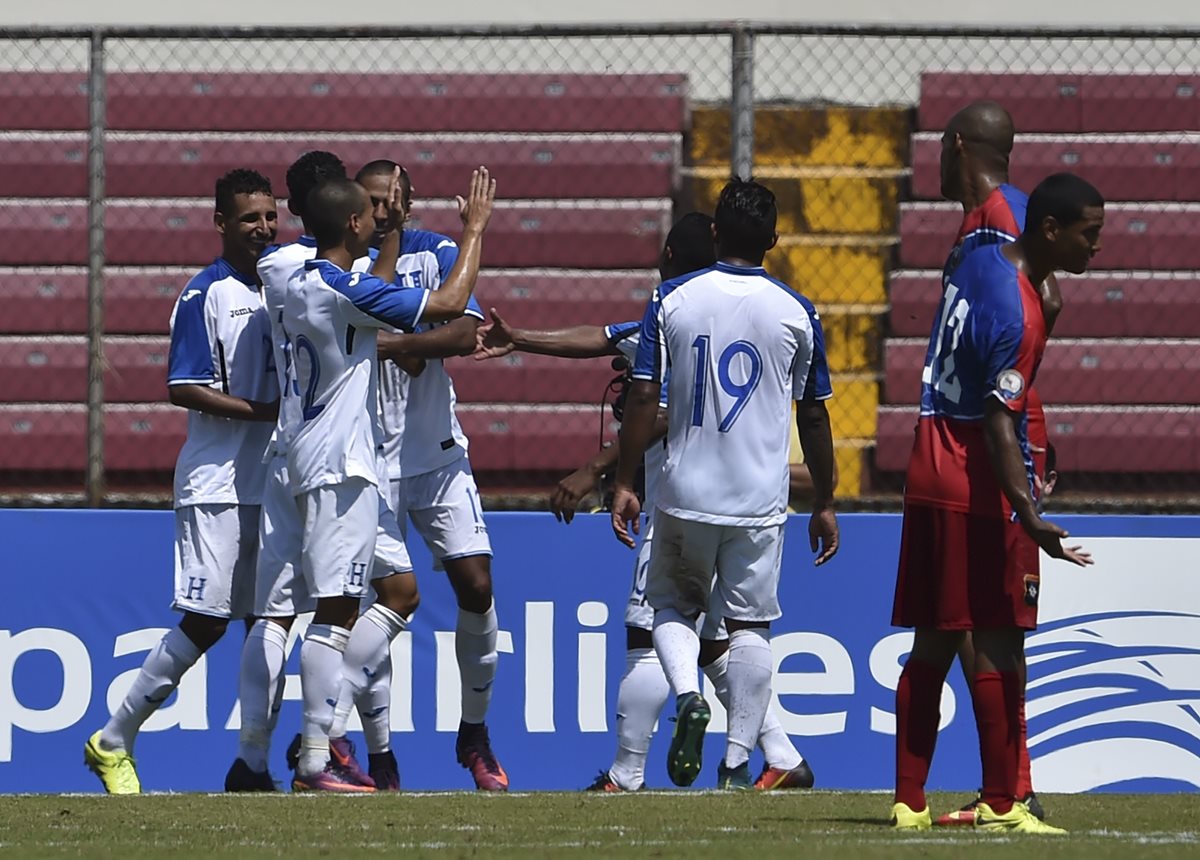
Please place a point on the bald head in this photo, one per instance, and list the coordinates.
(975, 150)
(335, 208)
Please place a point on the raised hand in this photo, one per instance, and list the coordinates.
(476, 208)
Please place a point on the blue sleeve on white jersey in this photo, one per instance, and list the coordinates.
(818, 385)
(400, 307)
(651, 362)
(619, 331)
(190, 359)
(473, 309)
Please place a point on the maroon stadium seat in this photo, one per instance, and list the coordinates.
(625, 235)
(1135, 236)
(1103, 304)
(1112, 439)
(41, 437)
(1037, 102)
(49, 301)
(1122, 170)
(43, 101)
(54, 369)
(569, 298)
(158, 166)
(1079, 371)
(1140, 102)
(523, 378)
(186, 101)
(546, 439)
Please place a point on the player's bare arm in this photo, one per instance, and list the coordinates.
(637, 432)
(212, 402)
(816, 438)
(450, 300)
(389, 251)
(1001, 436)
(455, 338)
(1052, 302)
(498, 338)
(572, 489)
(389, 347)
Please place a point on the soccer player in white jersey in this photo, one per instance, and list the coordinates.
(430, 477)
(643, 689)
(218, 369)
(280, 590)
(331, 316)
(740, 347)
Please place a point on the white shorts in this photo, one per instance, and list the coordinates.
(746, 560)
(280, 589)
(215, 551)
(638, 611)
(444, 508)
(340, 525)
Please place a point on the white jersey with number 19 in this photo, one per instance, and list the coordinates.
(331, 318)
(740, 347)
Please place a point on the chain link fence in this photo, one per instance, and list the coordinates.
(111, 142)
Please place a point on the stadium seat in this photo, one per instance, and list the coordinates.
(534, 439)
(1101, 304)
(38, 437)
(546, 299)
(624, 234)
(1037, 102)
(54, 369)
(1130, 170)
(43, 101)
(1140, 102)
(1136, 235)
(1079, 371)
(54, 301)
(524, 378)
(1087, 438)
(186, 101)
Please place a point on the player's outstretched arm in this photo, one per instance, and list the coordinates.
(498, 338)
(212, 402)
(637, 432)
(816, 438)
(389, 252)
(450, 300)
(1009, 466)
(456, 337)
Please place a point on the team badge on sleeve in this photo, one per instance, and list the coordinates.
(1010, 384)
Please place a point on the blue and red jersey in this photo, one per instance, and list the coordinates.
(988, 340)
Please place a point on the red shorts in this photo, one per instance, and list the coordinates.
(965, 572)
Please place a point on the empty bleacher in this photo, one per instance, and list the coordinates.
(587, 168)
(1119, 376)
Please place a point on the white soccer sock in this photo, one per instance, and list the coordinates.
(174, 654)
(678, 648)
(640, 699)
(368, 650)
(777, 747)
(320, 679)
(374, 703)
(263, 655)
(749, 676)
(475, 647)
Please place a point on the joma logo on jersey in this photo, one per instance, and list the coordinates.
(189, 295)
(240, 312)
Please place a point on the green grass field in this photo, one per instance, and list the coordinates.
(661, 824)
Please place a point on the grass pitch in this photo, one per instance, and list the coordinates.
(649, 824)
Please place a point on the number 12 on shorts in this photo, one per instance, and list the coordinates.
(751, 367)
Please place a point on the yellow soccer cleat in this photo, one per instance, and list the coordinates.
(903, 818)
(1017, 820)
(116, 769)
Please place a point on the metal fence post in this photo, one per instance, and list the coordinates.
(741, 108)
(95, 392)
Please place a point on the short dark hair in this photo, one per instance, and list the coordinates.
(307, 172)
(328, 208)
(385, 167)
(691, 243)
(745, 219)
(241, 180)
(1063, 197)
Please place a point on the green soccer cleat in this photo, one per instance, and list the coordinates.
(903, 818)
(734, 778)
(687, 743)
(115, 768)
(1017, 820)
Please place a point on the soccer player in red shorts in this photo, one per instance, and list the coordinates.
(971, 530)
(976, 146)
